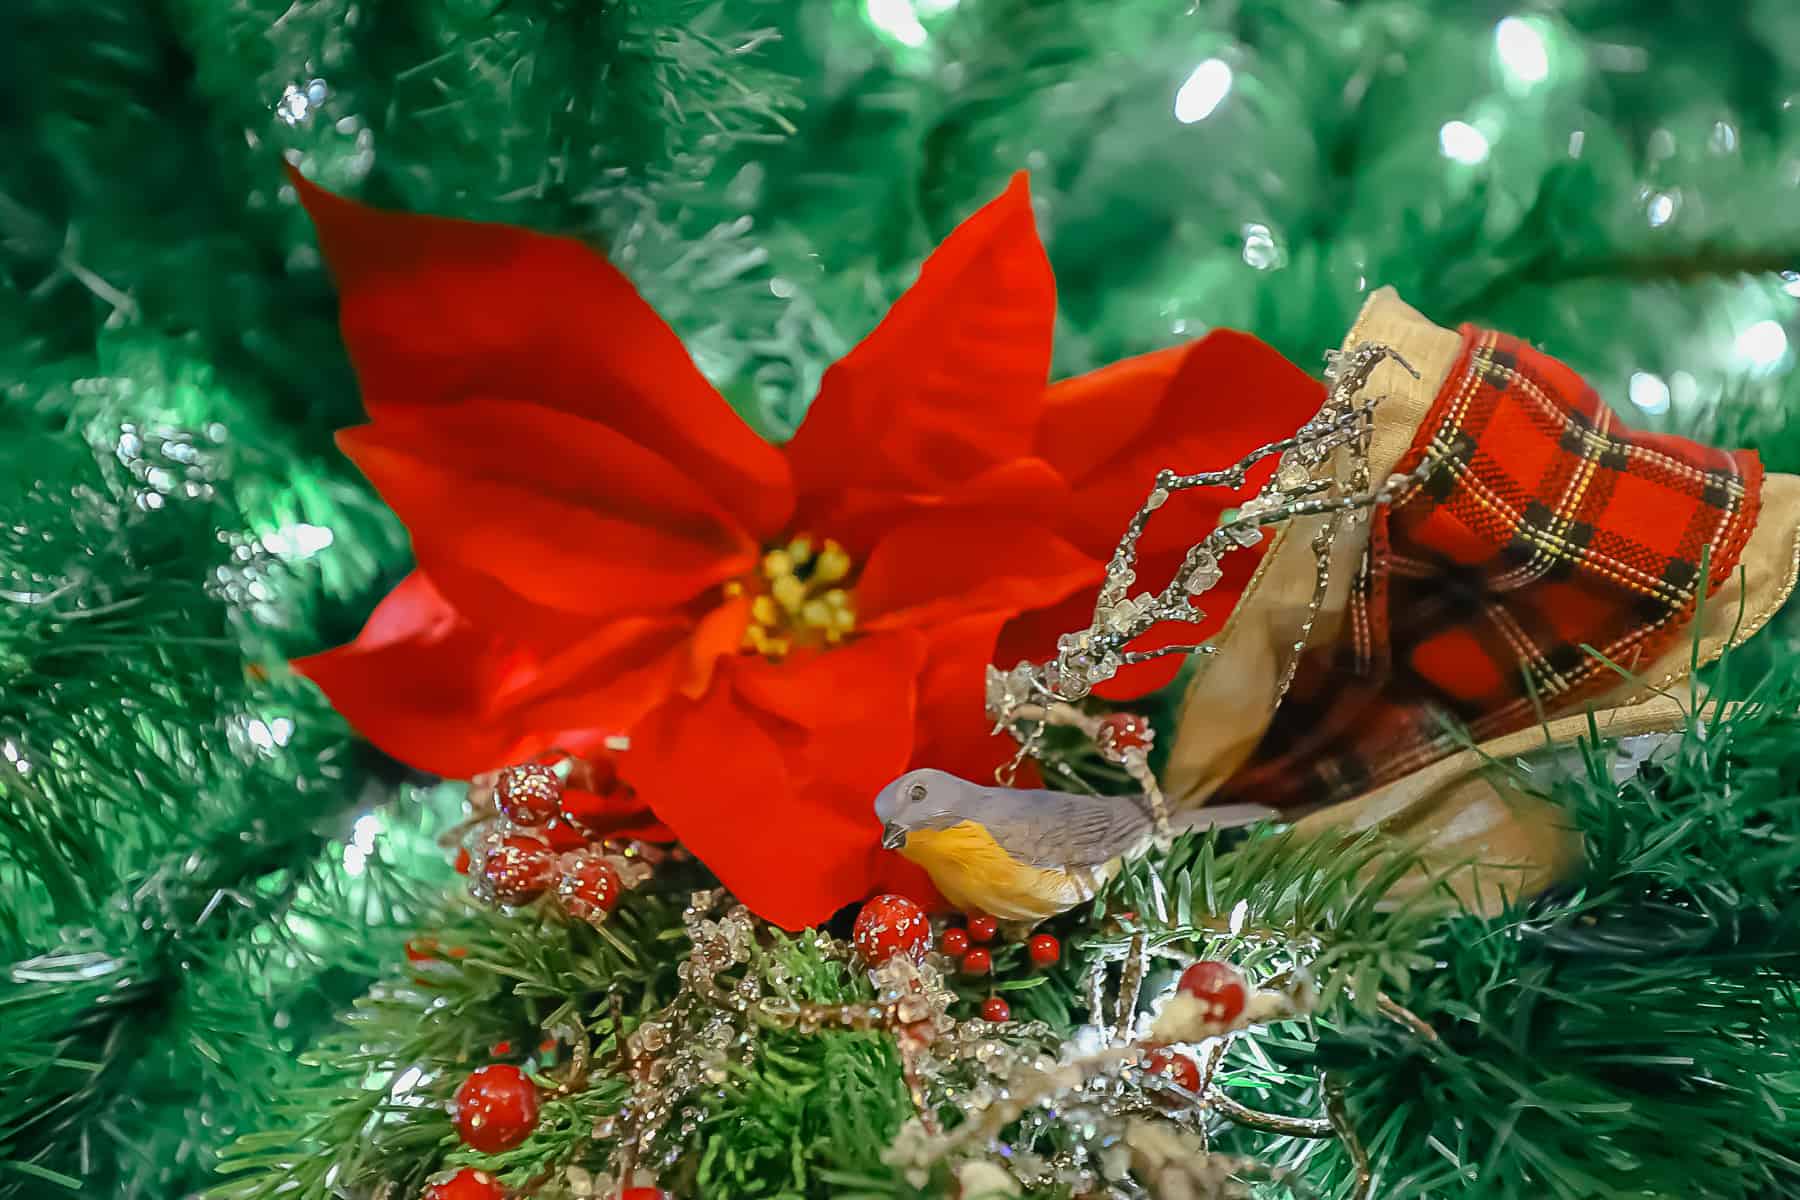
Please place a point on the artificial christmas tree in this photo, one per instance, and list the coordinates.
(206, 869)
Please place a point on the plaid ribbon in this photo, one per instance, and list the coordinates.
(1544, 530)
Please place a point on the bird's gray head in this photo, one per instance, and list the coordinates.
(922, 799)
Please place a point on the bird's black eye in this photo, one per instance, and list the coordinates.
(916, 793)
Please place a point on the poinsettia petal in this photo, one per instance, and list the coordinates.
(951, 380)
(858, 517)
(955, 734)
(1089, 418)
(435, 311)
(434, 692)
(563, 512)
(1216, 399)
(848, 730)
(719, 633)
(785, 792)
(952, 564)
(620, 814)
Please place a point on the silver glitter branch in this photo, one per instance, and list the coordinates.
(1312, 480)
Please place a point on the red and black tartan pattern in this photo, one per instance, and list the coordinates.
(1544, 530)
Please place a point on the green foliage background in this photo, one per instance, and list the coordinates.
(201, 867)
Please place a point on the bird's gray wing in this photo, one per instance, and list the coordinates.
(1063, 830)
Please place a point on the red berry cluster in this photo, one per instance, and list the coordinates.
(968, 945)
(549, 840)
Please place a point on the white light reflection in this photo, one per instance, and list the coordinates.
(1649, 392)
(1462, 142)
(1762, 344)
(296, 541)
(1260, 250)
(1523, 55)
(362, 843)
(1662, 208)
(897, 19)
(1203, 91)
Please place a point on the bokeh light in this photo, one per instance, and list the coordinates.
(1205, 89)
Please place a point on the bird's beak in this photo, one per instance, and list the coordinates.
(893, 836)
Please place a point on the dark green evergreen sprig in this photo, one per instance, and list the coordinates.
(1636, 1032)
(172, 927)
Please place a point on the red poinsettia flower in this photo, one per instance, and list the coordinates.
(604, 547)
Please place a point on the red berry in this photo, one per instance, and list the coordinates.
(996, 1010)
(519, 869)
(977, 962)
(495, 1109)
(527, 795)
(982, 929)
(422, 949)
(1176, 1067)
(890, 925)
(500, 1049)
(589, 887)
(1123, 733)
(1044, 949)
(643, 1193)
(462, 860)
(467, 1184)
(955, 942)
(1218, 987)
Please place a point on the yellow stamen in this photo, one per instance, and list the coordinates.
(797, 601)
(789, 592)
(833, 564)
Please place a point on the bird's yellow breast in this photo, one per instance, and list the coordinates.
(976, 875)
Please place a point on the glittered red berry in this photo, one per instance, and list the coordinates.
(469, 1183)
(528, 794)
(996, 1010)
(643, 1193)
(955, 942)
(563, 836)
(462, 860)
(1121, 734)
(1044, 950)
(1178, 1068)
(889, 926)
(983, 929)
(589, 887)
(519, 869)
(977, 962)
(1218, 987)
(496, 1108)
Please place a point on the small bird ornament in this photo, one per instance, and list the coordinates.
(1024, 855)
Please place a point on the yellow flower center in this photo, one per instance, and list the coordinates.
(798, 599)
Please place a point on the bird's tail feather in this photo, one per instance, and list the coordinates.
(1219, 816)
